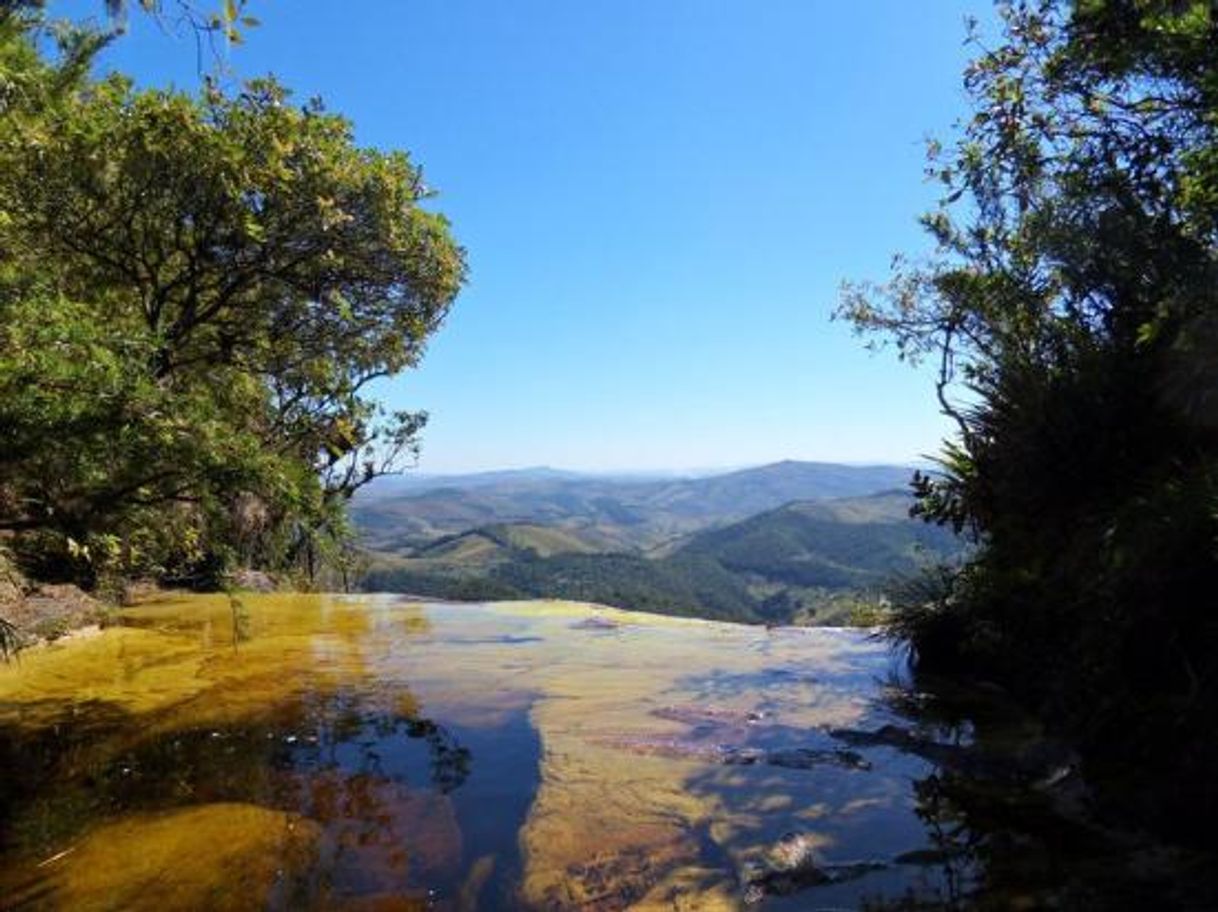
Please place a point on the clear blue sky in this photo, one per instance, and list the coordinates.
(659, 198)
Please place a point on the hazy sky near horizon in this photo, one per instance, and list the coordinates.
(659, 198)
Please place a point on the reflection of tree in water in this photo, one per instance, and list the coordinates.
(358, 771)
(343, 721)
(374, 776)
(33, 762)
(449, 760)
(1001, 808)
(1008, 823)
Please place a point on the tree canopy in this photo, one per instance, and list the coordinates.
(195, 293)
(1071, 304)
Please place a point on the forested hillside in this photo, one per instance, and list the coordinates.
(808, 562)
(860, 543)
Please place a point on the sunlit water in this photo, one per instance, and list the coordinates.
(305, 752)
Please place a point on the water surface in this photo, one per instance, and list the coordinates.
(296, 752)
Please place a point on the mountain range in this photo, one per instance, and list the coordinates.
(788, 542)
(635, 513)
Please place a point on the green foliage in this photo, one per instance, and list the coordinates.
(439, 585)
(1074, 295)
(854, 544)
(807, 562)
(682, 586)
(10, 640)
(687, 587)
(194, 295)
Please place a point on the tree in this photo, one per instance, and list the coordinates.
(194, 296)
(1072, 308)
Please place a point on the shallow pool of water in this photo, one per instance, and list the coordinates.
(296, 752)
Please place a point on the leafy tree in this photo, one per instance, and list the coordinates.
(1071, 305)
(194, 296)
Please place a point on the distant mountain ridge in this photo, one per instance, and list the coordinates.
(411, 482)
(648, 512)
(736, 546)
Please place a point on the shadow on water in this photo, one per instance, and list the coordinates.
(959, 802)
(1009, 817)
(406, 809)
(333, 755)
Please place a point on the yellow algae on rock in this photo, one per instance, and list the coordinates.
(615, 823)
(182, 651)
(133, 670)
(214, 856)
(606, 827)
(633, 809)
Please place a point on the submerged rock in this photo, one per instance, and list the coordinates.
(616, 881)
(1046, 764)
(792, 865)
(687, 748)
(806, 758)
(596, 622)
(711, 715)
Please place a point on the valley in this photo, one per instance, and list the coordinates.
(791, 542)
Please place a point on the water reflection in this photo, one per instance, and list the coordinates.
(1007, 817)
(808, 820)
(378, 780)
(308, 752)
(293, 720)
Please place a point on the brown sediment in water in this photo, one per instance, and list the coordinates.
(609, 828)
(614, 827)
(215, 856)
(183, 661)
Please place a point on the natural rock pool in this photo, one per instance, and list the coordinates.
(360, 753)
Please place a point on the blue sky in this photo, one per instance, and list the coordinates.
(660, 199)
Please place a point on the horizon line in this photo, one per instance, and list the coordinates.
(420, 472)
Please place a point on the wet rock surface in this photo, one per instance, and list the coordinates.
(49, 612)
(792, 865)
(248, 580)
(722, 735)
(596, 622)
(492, 757)
(1044, 762)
